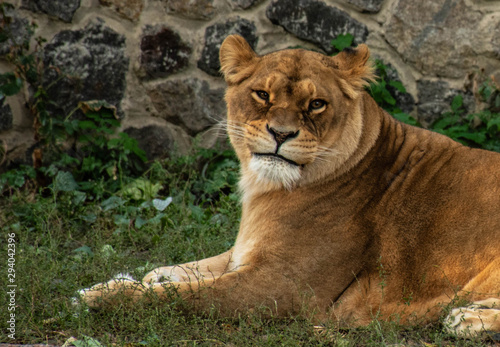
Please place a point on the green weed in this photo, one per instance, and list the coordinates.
(480, 129)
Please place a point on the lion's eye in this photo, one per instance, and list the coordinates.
(316, 105)
(262, 94)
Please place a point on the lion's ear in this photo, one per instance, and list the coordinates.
(236, 59)
(355, 70)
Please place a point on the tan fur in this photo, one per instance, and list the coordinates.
(347, 213)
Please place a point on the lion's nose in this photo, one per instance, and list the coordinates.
(281, 135)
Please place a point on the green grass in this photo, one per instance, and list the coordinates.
(64, 244)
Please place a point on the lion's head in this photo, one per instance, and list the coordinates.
(294, 116)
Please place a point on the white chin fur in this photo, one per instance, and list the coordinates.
(275, 171)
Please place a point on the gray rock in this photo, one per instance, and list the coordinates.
(163, 52)
(435, 98)
(244, 4)
(215, 34)
(189, 103)
(62, 9)
(16, 32)
(371, 6)
(158, 141)
(130, 9)
(193, 9)
(315, 21)
(445, 38)
(88, 64)
(5, 116)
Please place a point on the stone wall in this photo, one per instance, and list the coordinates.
(157, 60)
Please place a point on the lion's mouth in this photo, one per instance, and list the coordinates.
(277, 156)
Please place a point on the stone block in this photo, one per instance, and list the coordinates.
(442, 38)
(159, 141)
(16, 31)
(130, 9)
(193, 9)
(62, 9)
(189, 103)
(87, 64)
(162, 52)
(314, 21)
(371, 6)
(244, 4)
(215, 34)
(435, 98)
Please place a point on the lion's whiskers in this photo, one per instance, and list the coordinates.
(231, 126)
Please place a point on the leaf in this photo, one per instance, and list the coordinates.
(78, 197)
(197, 212)
(140, 222)
(90, 106)
(112, 203)
(65, 182)
(494, 122)
(89, 218)
(85, 250)
(457, 103)
(386, 95)
(87, 342)
(10, 84)
(444, 122)
(405, 118)
(132, 145)
(120, 219)
(87, 124)
(160, 205)
(398, 85)
(141, 189)
(107, 251)
(342, 41)
(485, 90)
(477, 137)
(158, 219)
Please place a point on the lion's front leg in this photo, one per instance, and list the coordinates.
(108, 293)
(208, 268)
(124, 286)
(243, 290)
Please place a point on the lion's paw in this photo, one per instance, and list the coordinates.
(94, 295)
(479, 317)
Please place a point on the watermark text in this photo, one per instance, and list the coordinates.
(11, 285)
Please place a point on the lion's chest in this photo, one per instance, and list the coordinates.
(315, 236)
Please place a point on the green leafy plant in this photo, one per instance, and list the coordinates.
(342, 41)
(480, 130)
(83, 143)
(383, 91)
(16, 178)
(379, 90)
(101, 162)
(489, 91)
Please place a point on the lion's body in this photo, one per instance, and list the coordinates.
(347, 213)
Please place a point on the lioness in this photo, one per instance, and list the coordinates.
(347, 212)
